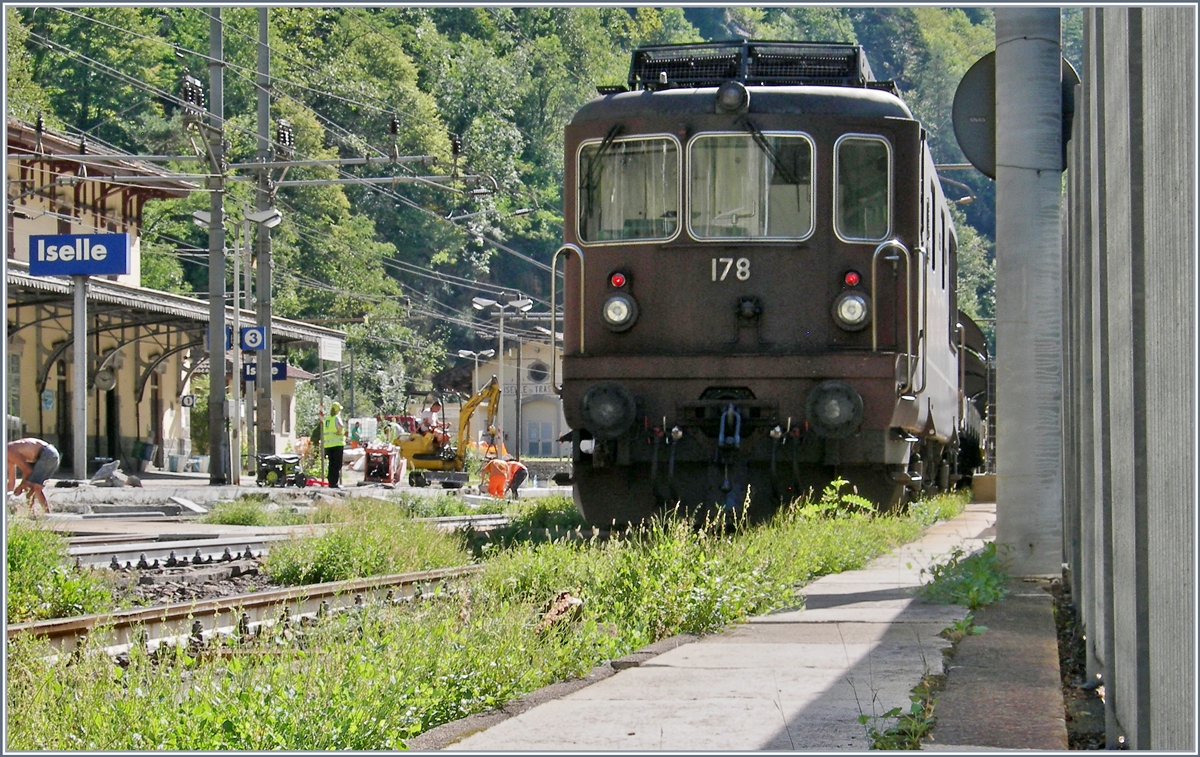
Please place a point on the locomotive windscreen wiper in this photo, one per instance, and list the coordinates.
(760, 139)
(589, 185)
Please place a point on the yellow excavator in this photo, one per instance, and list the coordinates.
(431, 459)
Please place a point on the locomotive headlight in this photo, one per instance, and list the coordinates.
(732, 97)
(852, 311)
(619, 312)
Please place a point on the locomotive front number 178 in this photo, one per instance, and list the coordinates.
(724, 264)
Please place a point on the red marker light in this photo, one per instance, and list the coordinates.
(617, 280)
(852, 278)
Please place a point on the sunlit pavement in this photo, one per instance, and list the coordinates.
(796, 679)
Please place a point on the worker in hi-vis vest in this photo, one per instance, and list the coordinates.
(333, 438)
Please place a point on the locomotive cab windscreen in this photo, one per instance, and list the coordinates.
(628, 189)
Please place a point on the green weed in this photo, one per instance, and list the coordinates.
(910, 727)
(960, 629)
(40, 583)
(358, 548)
(835, 503)
(446, 505)
(941, 507)
(251, 510)
(972, 580)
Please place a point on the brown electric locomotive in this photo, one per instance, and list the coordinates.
(759, 287)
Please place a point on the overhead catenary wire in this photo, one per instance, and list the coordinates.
(230, 124)
(243, 71)
(161, 93)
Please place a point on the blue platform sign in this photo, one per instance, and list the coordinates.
(228, 338)
(78, 254)
(278, 371)
(254, 338)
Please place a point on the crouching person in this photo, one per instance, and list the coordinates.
(517, 474)
(37, 460)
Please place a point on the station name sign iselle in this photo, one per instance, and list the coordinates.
(78, 254)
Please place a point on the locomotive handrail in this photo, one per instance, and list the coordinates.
(907, 304)
(568, 247)
(923, 339)
(962, 369)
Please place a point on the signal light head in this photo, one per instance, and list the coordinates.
(852, 278)
(617, 280)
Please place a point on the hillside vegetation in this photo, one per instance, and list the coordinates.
(499, 82)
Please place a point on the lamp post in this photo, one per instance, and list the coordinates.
(269, 218)
(476, 355)
(519, 305)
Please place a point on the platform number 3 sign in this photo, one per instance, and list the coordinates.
(254, 338)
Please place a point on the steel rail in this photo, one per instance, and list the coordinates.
(130, 550)
(161, 550)
(205, 619)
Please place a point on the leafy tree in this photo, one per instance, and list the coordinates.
(976, 277)
(809, 25)
(26, 98)
(90, 61)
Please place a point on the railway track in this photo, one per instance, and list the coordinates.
(145, 555)
(139, 551)
(246, 613)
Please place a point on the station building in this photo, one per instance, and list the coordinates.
(146, 348)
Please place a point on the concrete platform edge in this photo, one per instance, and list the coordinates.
(456, 730)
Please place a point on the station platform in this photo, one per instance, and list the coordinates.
(801, 679)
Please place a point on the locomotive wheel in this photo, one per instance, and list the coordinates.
(605, 495)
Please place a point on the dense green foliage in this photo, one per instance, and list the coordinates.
(371, 679)
(39, 581)
(388, 261)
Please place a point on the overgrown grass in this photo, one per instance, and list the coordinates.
(41, 584)
(375, 678)
(252, 510)
(446, 505)
(365, 538)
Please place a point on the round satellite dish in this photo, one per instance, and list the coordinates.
(106, 380)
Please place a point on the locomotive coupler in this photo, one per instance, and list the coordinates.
(730, 416)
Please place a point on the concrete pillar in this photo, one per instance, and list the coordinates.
(1029, 289)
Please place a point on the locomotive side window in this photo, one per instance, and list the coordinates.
(751, 186)
(629, 190)
(863, 180)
